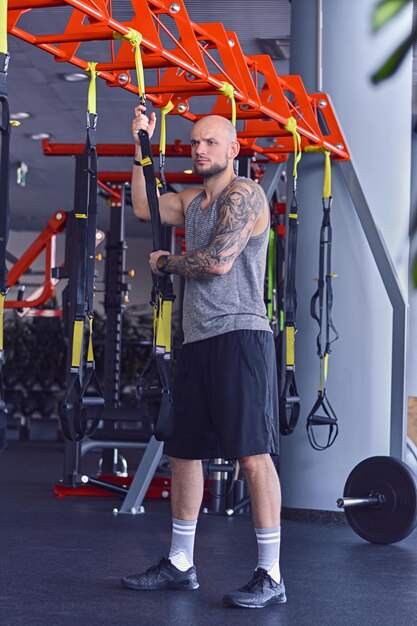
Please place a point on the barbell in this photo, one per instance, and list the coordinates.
(380, 500)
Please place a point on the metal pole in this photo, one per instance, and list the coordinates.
(387, 271)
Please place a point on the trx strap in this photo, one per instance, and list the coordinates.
(162, 146)
(83, 405)
(275, 272)
(228, 90)
(289, 402)
(4, 200)
(155, 382)
(275, 281)
(271, 296)
(322, 413)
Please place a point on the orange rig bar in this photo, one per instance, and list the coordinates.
(45, 242)
(181, 178)
(107, 180)
(199, 60)
(177, 149)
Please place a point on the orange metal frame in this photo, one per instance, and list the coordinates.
(177, 149)
(199, 59)
(45, 242)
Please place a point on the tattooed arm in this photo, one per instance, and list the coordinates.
(240, 206)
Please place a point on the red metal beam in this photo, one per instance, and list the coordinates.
(171, 177)
(177, 149)
(184, 68)
(45, 242)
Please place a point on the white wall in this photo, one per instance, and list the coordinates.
(376, 122)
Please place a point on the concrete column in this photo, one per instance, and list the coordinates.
(376, 122)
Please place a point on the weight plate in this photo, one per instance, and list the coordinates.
(396, 518)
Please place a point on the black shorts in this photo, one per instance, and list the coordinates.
(225, 397)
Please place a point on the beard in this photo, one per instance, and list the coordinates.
(210, 172)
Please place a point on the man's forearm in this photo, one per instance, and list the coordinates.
(201, 264)
(138, 191)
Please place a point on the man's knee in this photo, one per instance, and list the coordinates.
(183, 465)
(251, 465)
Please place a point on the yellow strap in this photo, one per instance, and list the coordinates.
(327, 184)
(228, 90)
(163, 325)
(290, 346)
(159, 336)
(81, 216)
(155, 323)
(163, 137)
(90, 352)
(166, 320)
(293, 216)
(291, 126)
(146, 161)
(77, 342)
(2, 298)
(135, 39)
(314, 149)
(92, 99)
(3, 26)
(325, 366)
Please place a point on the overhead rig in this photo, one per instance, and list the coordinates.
(191, 60)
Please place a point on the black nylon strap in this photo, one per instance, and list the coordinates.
(322, 413)
(70, 408)
(4, 217)
(162, 288)
(3, 407)
(289, 401)
(163, 284)
(4, 66)
(290, 290)
(4, 188)
(289, 405)
(85, 204)
(92, 215)
(322, 300)
(162, 178)
(81, 413)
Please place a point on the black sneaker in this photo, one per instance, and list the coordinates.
(261, 591)
(163, 575)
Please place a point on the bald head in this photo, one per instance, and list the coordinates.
(214, 146)
(217, 124)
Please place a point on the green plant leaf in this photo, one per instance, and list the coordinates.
(385, 10)
(391, 65)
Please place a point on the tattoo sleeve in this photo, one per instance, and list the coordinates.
(239, 208)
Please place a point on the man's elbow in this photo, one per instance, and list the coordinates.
(141, 212)
(220, 269)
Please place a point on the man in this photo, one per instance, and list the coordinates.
(225, 390)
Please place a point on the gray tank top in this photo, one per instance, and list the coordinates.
(233, 301)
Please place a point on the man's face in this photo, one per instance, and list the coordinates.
(209, 150)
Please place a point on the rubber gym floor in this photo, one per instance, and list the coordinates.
(61, 561)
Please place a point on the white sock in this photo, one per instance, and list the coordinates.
(269, 541)
(182, 544)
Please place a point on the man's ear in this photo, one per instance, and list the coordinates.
(234, 149)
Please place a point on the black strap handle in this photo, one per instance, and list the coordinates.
(322, 414)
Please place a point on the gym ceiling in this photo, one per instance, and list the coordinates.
(57, 107)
